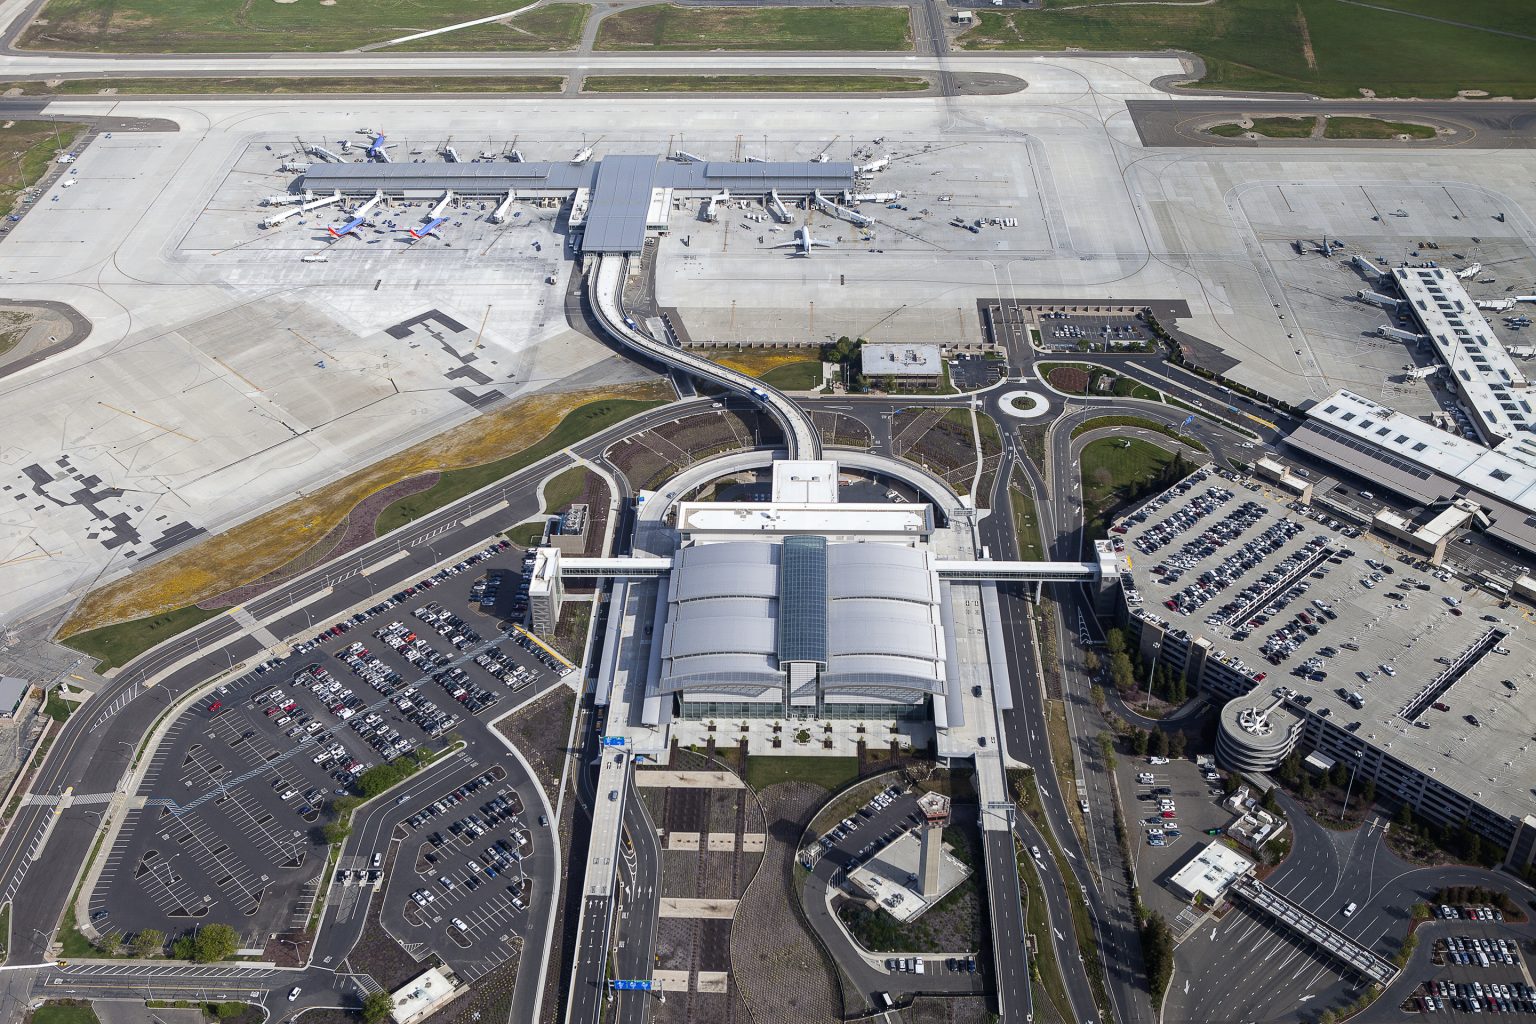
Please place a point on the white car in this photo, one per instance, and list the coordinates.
(293, 993)
(460, 925)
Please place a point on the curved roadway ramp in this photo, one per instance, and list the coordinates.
(605, 284)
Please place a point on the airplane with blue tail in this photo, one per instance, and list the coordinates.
(349, 228)
(429, 228)
(377, 150)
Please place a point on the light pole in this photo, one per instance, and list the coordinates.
(1358, 754)
(1156, 647)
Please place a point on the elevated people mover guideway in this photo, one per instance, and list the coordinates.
(605, 282)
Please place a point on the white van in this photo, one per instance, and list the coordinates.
(1349, 911)
(920, 965)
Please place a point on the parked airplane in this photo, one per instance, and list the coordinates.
(378, 150)
(349, 228)
(429, 228)
(804, 244)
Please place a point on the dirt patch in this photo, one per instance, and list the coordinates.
(351, 533)
(1069, 379)
(1306, 40)
(250, 551)
(779, 966)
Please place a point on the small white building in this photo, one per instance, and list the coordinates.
(425, 994)
(1210, 873)
(922, 364)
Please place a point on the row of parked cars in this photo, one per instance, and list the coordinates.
(403, 640)
(548, 660)
(450, 799)
(1214, 537)
(465, 690)
(501, 665)
(446, 624)
(1463, 949)
(1475, 997)
(1471, 913)
(1161, 534)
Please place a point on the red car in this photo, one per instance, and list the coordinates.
(216, 705)
(1168, 814)
(1260, 677)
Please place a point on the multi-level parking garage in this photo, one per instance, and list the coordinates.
(1326, 639)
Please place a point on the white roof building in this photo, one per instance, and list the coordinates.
(887, 360)
(1495, 392)
(1208, 875)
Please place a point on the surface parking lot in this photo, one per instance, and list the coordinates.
(1168, 806)
(462, 882)
(237, 792)
(1482, 962)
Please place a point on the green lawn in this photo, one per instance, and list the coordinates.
(1026, 526)
(753, 83)
(1099, 422)
(242, 26)
(667, 27)
(1372, 128)
(26, 150)
(1270, 128)
(1318, 47)
(1118, 470)
(116, 645)
(830, 773)
(565, 488)
(5, 931)
(579, 423)
(279, 86)
(61, 1013)
(804, 376)
(552, 27)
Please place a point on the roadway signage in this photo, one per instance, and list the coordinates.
(631, 986)
(615, 741)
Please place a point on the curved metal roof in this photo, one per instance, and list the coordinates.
(880, 633)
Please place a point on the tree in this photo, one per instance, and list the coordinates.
(1157, 951)
(1120, 671)
(1176, 744)
(1139, 743)
(110, 944)
(334, 832)
(1091, 661)
(1404, 817)
(209, 944)
(1270, 803)
(148, 942)
(377, 1006)
(1160, 744)
(1368, 792)
(1114, 641)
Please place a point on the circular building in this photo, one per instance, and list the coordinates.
(1256, 733)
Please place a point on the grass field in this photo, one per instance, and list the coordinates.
(666, 27)
(1026, 526)
(753, 83)
(26, 149)
(281, 86)
(755, 362)
(119, 644)
(565, 488)
(1270, 128)
(64, 1013)
(551, 27)
(801, 376)
(1115, 470)
(577, 424)
(223, 26)
(830, 773)
(1099, 422)
(1372, 128)
(1316, 47)
(251, 550)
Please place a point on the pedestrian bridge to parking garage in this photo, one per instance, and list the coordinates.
(1028, 572)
